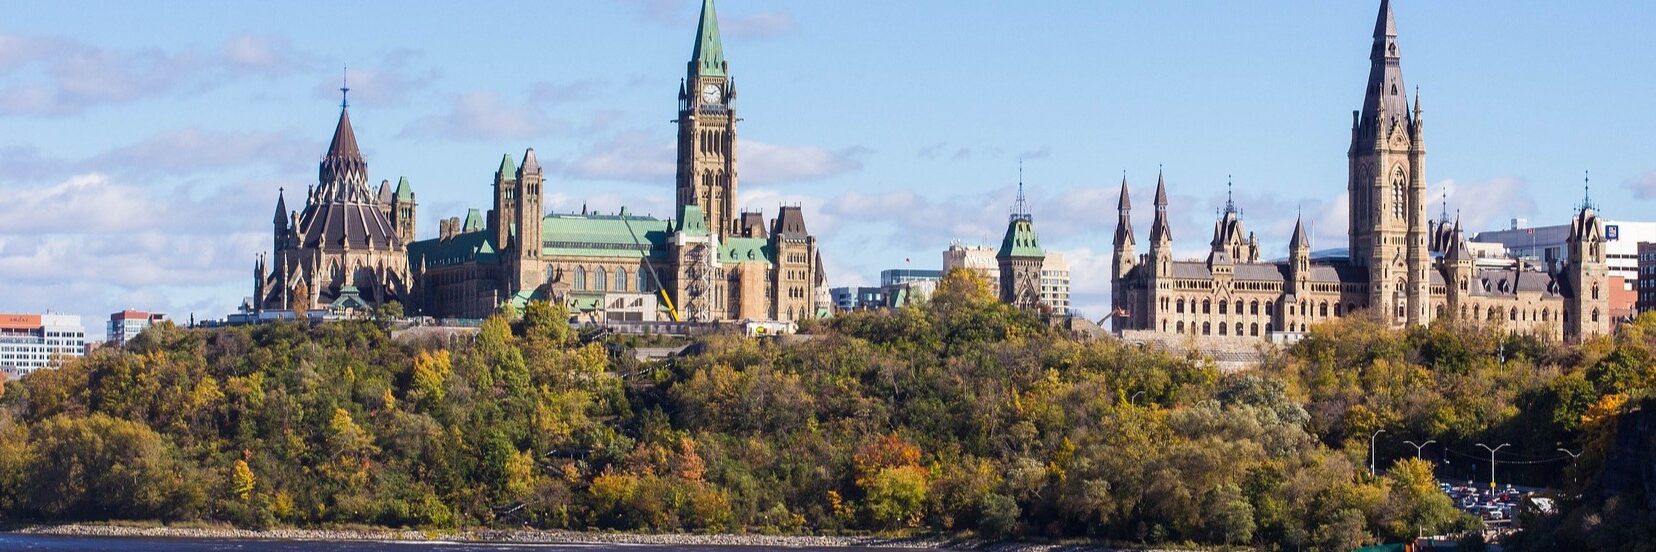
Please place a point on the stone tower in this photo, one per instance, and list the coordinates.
(1587, 309)
(403, 210)
(1387, 186)
(1161, 234)
(1299, 260)
(707, 131)
(1020, 258)
(503, 214)
(1123, 259)
(528, 272)
(796, 265)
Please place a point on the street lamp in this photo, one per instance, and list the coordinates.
(1492, 461)
(1573, 455)
(1134, 398)
(1371, 450)
(1420, 447)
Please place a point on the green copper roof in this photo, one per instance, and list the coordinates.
(1020, 240)
(594, 235)
(745, 250)
(691, 221)
(404, 191)
(458, 249)
(474, 221)
(709, 54)
(508, 169)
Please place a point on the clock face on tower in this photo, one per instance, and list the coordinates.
(710, 94)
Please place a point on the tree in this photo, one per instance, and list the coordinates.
(241, 480)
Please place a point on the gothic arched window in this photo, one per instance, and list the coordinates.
(1179, 306)
(1253, 329)
(600, 280)
(1207, 329)
(1223, 307)
(1180, 327)
(643, 281)
(620, 279)
(1397, 193)
(1207, 307)
(580, 279)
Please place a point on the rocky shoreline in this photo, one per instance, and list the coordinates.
(488, 536)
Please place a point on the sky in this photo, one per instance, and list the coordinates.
(143, 144)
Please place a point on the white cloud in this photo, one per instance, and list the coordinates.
(260, 53)
(84, 203)
(190, 150)
(1483, 205)
(1642, 186)
(635, 156)
(484, 116)
(388, 82)
(74, 76)
(764, 163)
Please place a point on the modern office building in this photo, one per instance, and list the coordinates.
(1055, 283)
(1544, 245)
(127, 324)
(29, 342)
(977, 258)
(1645, 283)
(894, 276)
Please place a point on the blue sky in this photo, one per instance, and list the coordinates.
(142, 144)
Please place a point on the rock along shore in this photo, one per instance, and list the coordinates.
(482, 535)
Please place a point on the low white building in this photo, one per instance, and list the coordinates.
(29, 342)
(1541, 244)
(127, 324)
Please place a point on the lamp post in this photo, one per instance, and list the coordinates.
(1371, 449)
(1134, 398)
(1420, 447)
(1573, 455)
(1492, 461)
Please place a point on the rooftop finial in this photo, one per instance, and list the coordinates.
(1230, 203)
(1021, 208)
(1586, 191)
(1445, 215)
(344, 87)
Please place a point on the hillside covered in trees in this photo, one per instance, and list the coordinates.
(959, 416)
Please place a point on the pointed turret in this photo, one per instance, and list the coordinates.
(404, 191)
(1459, 251)
(531, 165)
(1298, 240)
(343, 173)
(1159, 230)
(508, 168)
(708, 57)
(1124, 224)
(281, 218)
(1385, 102)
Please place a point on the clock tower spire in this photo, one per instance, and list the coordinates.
(707, 131)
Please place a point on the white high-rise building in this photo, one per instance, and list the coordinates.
(977, 258)
(1055, 283)
(29, 342)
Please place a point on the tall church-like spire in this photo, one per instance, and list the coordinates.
(1385, 101)
(707, 58)
(1124, 224)
(1159, 229)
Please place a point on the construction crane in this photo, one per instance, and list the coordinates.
(660, 289)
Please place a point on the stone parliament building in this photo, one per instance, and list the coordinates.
(352, 248)
(1402, 267)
